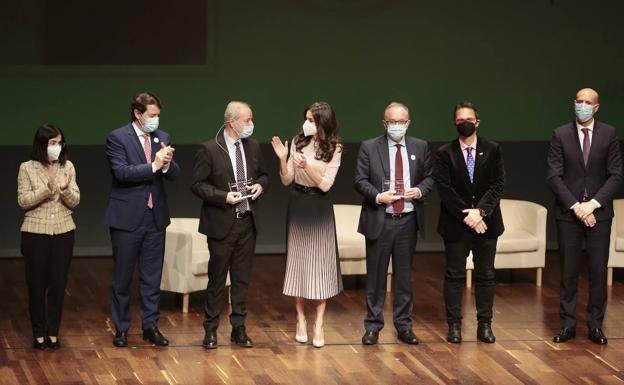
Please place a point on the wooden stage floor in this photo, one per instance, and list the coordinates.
(526, 318)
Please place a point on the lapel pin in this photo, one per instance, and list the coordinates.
(413, 157)
(480, 153)
(156, 140)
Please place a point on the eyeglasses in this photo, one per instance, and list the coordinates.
(392, 121)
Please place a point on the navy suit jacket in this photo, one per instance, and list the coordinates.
(133, 180)
(373, 166)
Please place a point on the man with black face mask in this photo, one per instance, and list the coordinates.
(470, 176)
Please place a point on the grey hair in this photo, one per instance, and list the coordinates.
(396, 104)
(233, 110)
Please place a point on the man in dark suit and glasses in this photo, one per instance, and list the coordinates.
(470, 176)
(584, 173)
(390, 218)
(140, 158)
(229, 219)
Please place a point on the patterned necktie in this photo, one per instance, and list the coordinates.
(470, 163)
(243, 206)
(398, 205)
(147, 147)
(586, 144)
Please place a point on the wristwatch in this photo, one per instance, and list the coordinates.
(483, 213)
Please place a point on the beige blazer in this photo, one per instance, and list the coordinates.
(47, 212)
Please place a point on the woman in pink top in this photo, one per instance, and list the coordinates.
(312, 266)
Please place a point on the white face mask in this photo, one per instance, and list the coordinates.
(309, 128)
(54, 151)
(396, 132)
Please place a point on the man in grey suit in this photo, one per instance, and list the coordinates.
(584, 173)
(393, 175)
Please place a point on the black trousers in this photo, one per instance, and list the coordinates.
(571, 236)
(46, 263)
(398, 238)
(483, 253)
(233, 253)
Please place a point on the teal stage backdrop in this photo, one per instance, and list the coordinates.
(519, 61)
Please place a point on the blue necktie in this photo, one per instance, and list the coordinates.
(470, 162)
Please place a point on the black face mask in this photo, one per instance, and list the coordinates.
(466, 128)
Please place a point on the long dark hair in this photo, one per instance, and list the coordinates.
(327, 132)
(39, 150)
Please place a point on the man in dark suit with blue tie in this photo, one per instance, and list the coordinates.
(470, 177)
(584, 173)
(390, 218)
(140, 157)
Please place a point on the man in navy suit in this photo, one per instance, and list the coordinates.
(391, 215)
(140, 157)
(584, 173)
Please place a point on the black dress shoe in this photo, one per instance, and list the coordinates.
(39, 345)
(121, 339)
(155, 336)
(370, 337)
(240, 337)
(597, 337)
(485, 334)
(53, 345)
(210, 340)
(408, 337)
(454, 333)
(565, 334)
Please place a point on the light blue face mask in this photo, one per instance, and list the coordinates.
(396, 132)
(583, 111)
(247, 131)
(150, 124)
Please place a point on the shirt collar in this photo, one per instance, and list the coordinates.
(229, 141)
(590, 126)
(137, 130)
(464, 146)
(392, 143)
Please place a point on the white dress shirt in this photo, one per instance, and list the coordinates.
(581, 135)
(141, 136)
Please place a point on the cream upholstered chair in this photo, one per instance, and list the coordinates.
(523, 244)
(616, 247)
(351, 244)
(185, 268)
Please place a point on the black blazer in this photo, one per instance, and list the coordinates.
(373, 166)
(568, 177)
(457, 193)
(212, 171)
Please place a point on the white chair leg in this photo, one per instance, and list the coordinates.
(185, 302)
(610, 276)
(468, 279)
(538, 277)
(389, 282)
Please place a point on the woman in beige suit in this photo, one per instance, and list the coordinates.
(47, 191)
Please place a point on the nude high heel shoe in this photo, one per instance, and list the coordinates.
(318, 340)
(301, 333)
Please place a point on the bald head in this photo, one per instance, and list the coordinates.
(587, 95)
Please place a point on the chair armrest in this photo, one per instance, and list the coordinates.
(178, 252)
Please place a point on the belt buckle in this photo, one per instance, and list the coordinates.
(397, 215)
(240, 215)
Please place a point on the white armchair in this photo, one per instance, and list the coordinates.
(351, 244)
(523, 244)
(185, 268)
(616, 247)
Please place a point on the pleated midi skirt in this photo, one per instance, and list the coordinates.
(312, 265)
